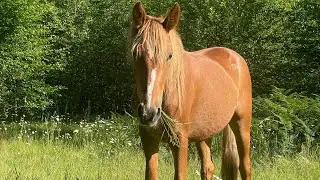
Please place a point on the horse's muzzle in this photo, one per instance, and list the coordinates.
(148, 115)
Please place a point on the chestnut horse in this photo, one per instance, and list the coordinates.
(204, 91)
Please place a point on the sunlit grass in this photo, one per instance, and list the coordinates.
(288, 168)
(110, 149)
(35, 160)
(38, 160)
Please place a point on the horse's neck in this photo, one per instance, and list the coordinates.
(173, 96)
(171, 103)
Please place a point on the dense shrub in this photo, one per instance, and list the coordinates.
(70, 56)
(97, 77)
(25, 35)
(285, 123)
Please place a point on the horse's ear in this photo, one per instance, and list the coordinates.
(173, 17)
(138, 15)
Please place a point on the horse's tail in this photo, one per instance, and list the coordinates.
(230, 157)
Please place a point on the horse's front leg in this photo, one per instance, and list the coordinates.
(180, 155)
(150, 146)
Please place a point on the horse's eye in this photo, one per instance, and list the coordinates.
(169, 56)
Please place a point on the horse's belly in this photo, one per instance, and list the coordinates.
(213, 107)
(204, 128)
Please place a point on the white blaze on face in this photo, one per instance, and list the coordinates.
(151, 86)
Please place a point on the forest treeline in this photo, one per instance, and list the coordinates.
(69, 57)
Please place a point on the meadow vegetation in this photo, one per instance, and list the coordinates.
(38, 160)
(285, 145)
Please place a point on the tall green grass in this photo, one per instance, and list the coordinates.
(44, 160)
(120, 131)
(285, 145)
(283, 124)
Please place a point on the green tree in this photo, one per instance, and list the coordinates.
(97, 77)
(25, 37)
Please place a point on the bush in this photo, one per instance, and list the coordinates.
(97, 77)
(285, 123)
(25, 40)
(69, 57)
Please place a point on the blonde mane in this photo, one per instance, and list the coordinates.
(153, 39)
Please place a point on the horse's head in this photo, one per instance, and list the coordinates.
(156, 50)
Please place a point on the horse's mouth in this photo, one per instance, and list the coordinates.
(149, 116)
(152, 122)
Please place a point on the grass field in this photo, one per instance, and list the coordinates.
(44, 160)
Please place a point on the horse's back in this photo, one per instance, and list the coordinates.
(237, 69)
(231, 61)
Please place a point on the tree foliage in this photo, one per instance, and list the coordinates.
(70, 56)
(25, 43)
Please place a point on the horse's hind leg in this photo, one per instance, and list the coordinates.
(240, 126)
(207, 166)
